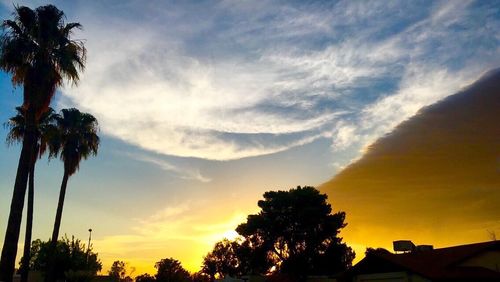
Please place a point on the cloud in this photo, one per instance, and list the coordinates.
(183, 173)
(229, 80)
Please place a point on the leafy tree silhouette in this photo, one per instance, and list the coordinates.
(171, 270)
(118, 272)
(370, 251)
(235, 258)
(144, 278)
(72, 259)
(298, 233)
(222, 260)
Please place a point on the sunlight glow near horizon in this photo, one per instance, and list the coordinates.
(206, 105)
(185, 239)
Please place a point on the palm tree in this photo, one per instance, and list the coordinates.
(76, 140)
(37, 49)
(45, 129)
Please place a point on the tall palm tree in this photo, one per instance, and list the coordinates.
(76, 140)
(37, 49)
(44, 131)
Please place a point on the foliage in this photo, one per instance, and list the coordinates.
(72, 259)
(37, 49)
(79, 276)
(77, 138)
(44, 130)
(171, 270)
(253, 257)
(118, 272)
(144, 278)
(370, 250)
(222, 260)
(234, 258)
(198, 277)
(296, 232)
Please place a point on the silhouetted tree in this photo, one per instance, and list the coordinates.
(37, 49)
(222, 260)
(71, 259)
(370, 250)
(118, 272)
(76, 139)
(253, 257)
(17, 129)
(235, 258)
(171, 270)
(144, 278)
(198, 277)
(298, 233)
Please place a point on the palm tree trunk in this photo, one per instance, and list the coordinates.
(60, 204)
(25, 265)
(51, 272)
(9, 250)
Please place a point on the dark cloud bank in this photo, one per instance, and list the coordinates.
(435, 178)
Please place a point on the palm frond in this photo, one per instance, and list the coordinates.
(27, 17)
(12, 25)
(78, 138)
(37, 49)
(46, 130)
(16, 127)
(68, 29)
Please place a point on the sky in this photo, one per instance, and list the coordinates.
(205, 105)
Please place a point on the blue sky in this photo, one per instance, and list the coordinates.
(211, 103)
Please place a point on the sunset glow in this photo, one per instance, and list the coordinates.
(205, 105)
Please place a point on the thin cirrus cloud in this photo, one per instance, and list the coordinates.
(180, 172)
(227, 80)
(213, 89)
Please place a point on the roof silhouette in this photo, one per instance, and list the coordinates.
(438, 264)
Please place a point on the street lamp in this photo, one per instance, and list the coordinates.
(90, 238)
(88, 247)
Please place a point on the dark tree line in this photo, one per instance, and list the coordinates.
(167, 270)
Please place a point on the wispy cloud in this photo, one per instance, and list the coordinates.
(226, 80)
(183, 173)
